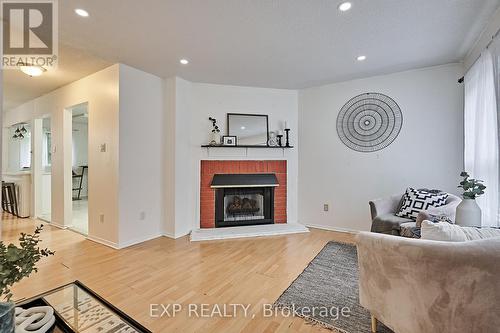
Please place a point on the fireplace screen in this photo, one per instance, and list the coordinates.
(244, 206)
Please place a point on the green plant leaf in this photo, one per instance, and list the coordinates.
(17, 263)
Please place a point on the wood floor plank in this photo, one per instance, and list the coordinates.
(251, 271)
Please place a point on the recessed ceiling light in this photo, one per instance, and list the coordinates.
(32, 70)
(345, 6)
(184, 61)
(81, 12)
(361, 58)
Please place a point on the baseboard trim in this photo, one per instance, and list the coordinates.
(172, 236)
(139, 240)
(53, 224)
(168, 235)
(336, 229)
(103, 242)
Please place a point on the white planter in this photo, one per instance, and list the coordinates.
(468, 214)
(215, 139)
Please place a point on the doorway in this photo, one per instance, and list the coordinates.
(79, 170)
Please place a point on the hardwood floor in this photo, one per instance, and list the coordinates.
(251, 271)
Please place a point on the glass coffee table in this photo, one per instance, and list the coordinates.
(79, 309)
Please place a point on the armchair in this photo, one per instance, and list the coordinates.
(417, 286)
(384, 219)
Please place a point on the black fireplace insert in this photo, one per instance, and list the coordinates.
(244, 199)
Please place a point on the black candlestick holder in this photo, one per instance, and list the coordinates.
(279, 139)
(287, 131)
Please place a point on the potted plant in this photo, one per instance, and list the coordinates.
(16, 263)
(215, 140)
(468, 212)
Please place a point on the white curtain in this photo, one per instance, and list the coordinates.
(481, 153)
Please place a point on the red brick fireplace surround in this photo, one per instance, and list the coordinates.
(207, 194)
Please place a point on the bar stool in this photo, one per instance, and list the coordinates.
(9, 198)
(79, 178)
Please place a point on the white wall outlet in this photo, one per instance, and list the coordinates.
(142, 215)
(101, 218)
(103, 147)
(325, 207)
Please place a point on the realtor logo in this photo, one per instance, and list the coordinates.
(29, 33)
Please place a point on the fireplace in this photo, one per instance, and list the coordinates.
(244, 199)
(267, 179)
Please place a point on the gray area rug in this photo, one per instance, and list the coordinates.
(328, 284)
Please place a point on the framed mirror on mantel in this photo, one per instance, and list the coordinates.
(250, 129)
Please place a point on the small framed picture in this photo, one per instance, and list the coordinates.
(229, 140)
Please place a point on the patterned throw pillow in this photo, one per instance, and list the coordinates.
(415, 201)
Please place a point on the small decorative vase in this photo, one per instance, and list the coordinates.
(215, 140)
(7, 317)
(468, 214)
(273, 141)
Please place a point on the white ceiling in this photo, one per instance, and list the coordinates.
(73, 65)
(272, 43)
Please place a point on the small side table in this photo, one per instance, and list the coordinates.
(79, 309)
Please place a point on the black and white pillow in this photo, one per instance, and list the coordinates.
(415, 201)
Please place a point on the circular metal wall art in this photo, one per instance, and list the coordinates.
(369, 122)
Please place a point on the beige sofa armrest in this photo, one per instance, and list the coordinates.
(414, 285)
(385, 205)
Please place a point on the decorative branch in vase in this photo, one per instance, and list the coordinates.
(468, 211)
(16, 263)
(215, 138)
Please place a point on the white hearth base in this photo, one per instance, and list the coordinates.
(247, 231)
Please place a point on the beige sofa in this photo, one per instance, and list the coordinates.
(421, 286)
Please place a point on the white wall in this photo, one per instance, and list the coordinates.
(80, 144)
(141, 156)
(427, 153)
(11, 148)
(190, 105)
(169, 150)
(185, 200)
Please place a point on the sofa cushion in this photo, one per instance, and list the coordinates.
(415, 201)
(387, 222)
(473, 233)
(447, 232)
(442, 231)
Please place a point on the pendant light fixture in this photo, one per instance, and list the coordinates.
(20, 132)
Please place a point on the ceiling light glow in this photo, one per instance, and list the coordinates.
(81, 12)
(32, 70)
(361, 58)
(345, 6)
(184, 61)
